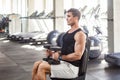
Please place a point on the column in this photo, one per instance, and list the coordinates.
(110, 27)
(116, 25)
(58, 6)
(113, 26)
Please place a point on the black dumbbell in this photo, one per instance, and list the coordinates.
(52, 48)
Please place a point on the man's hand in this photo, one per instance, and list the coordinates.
(55, 55)
(49, 52)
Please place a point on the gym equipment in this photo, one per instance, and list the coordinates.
(50, 14)
(59, 39)
(39, 38)
(34, 14)
(49, 59)
(113, 58)
(30, 36)
(41, 25)
(50, 38)
(85, 29)
(95, 36)
(24, 36)
(14, 36)
(98, 30)
(95, 48)
(41, 14)
(53, 47)
(4, 24)
(54, 39)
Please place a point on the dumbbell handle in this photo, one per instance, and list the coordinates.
(47, 46)
(52, 47)
(55, 48)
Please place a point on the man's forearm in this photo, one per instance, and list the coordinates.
(71, 57)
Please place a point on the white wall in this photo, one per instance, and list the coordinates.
(116, 25)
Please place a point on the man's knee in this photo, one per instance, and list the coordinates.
(44, 66)
(37, 63)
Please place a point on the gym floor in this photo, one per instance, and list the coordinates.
(16, 62)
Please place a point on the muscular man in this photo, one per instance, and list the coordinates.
(72, 50)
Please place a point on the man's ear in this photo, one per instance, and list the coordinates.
(76, 17)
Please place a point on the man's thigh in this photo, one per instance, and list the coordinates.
(64, 70)
(44, 65)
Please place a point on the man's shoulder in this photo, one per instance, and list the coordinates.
(80, 33)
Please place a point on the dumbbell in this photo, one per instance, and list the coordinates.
(51, 41)
(54, 48)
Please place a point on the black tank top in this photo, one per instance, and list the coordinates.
(68, 45)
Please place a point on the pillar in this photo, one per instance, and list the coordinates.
(110, 27)
(113, 26)
(58, 6)
(116, 25)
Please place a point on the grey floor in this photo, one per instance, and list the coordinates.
(16, 62)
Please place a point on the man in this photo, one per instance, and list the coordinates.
(72, 50)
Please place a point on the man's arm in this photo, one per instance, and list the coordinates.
(80, 40)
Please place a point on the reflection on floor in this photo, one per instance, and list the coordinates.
(16, 62)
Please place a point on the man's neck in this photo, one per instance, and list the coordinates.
(75, 26)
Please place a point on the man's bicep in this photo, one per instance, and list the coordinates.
(80, 43)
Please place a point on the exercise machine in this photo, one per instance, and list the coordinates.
(113, 58)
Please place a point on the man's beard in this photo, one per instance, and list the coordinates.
(72, 24)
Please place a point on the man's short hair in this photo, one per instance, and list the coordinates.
(75, 12)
